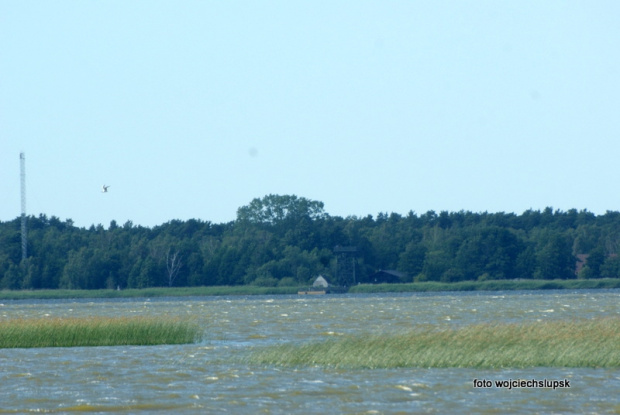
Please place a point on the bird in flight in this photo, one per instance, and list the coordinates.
(104, 189)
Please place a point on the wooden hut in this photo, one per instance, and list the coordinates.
(319, 286)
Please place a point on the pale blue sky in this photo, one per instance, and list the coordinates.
(190, 109)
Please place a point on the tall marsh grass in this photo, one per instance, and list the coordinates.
(52, 294)
(591, 343)
(96, 331)
(491, 285)
(428, 286)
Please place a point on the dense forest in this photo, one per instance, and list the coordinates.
(287, 240)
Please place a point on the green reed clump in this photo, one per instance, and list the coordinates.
(490, 285)
(146, 292)
(591, 343)
(96, 331)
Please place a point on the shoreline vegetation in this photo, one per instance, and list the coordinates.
(96, 331)
(286, 240)
(248, 290)
(585, 343)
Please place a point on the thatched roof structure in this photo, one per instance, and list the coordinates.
(320, 282)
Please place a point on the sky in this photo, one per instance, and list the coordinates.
(191, 109)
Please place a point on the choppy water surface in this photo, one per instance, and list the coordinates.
(200, 378)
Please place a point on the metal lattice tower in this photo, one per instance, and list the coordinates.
(345, 265)
(22, 165)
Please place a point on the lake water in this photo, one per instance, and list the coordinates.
(200, 378)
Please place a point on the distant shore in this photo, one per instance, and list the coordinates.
(245, 290)
(490, 285)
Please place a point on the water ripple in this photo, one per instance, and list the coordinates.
(205, 378)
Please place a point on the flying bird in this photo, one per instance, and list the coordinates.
(104, 189)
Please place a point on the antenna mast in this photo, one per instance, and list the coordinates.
(22, 165)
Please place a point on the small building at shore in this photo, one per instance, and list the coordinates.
(320, 282)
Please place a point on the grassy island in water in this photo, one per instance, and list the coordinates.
(586, 343)
(96, 331)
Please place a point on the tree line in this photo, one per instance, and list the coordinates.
(287, 240)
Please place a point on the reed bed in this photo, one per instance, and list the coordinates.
(96, 331)
(52, 294)
(428, 286)
(591, 343)
(491, 285)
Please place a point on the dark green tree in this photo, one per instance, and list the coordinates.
(554, 257)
